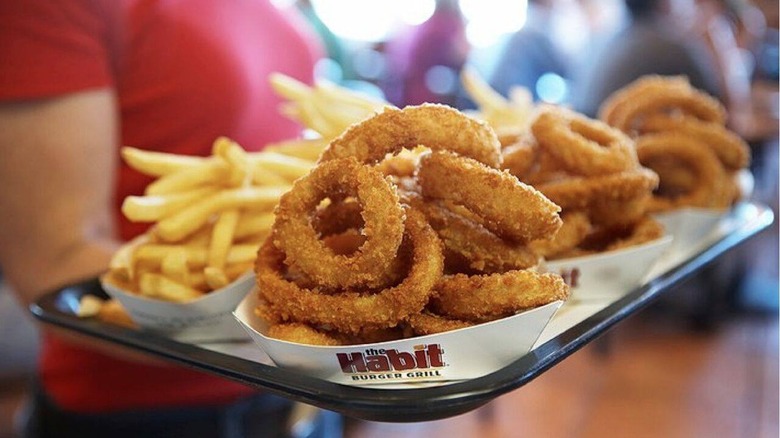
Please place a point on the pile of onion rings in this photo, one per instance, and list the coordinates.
(680, 133)
(364, 251)
(592, 172)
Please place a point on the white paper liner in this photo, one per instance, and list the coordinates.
(206, 319)
(690, 226)
(610, 275)
(452, 356)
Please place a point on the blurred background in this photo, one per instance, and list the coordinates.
(702, 361)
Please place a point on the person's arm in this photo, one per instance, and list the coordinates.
(57, 183)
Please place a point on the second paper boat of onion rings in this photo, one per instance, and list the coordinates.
(457, 355)
(610, 275)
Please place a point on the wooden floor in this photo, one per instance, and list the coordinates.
(656, 378)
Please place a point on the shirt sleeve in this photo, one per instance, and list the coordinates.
(52, 47)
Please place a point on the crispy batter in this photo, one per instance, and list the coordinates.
(578, 193)
(482, 297)
(427, 323)
(435, 126)
(626, 109)
(295, 236)
(520, 157)
(730, 149)
(582, 145)
(575, 228)
(301, 334)
(469, 244)
(523, 214)
(711, 189)
(351, 311)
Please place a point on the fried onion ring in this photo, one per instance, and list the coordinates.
(435, 126)
(295, 236)
(472, 245)
(583, 146)
(731, 150)
(576, 227)
(646, 230)
(352, 311)
(523, 214)
(578, 193)
(301, 334)
(483, 297)
(626, 110)
(711, 189)
(427, 323)
(520, 157)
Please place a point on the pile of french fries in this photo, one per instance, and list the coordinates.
(210, 215)
(504, 115)
(326, 108)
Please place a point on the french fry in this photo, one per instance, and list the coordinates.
(249, 225)
(174, 266)
(89, 306)
(157, 163)
(285, 166)
(156, 207)
(215, 277)
(183, 223)
(499, 112)
(305, 149)
(222, 238)
(155, 285)
(209, 172)
(325, 108)
(122, 264)
(151, 255)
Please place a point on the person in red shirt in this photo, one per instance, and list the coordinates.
(78, 79)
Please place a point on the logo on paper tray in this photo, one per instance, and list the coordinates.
(571, 276)
(392, 363)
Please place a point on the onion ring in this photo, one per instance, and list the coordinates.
(483, 297)
(520, 157)
(472, 245)
(338, 216)
(646, 230)
(626, 111)
(435, 126)
(576, 227)
(295, 236)
(711, 190)
(523, 214)
(352, 311)
(583, 146)
(579, 193)
(427, 323)
(730, 149)
(301, 334)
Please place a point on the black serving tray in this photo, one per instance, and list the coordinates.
(399, 405)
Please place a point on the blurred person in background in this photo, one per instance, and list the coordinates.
(530, 54)
(650, 43)
(424, 61)
(78, 80)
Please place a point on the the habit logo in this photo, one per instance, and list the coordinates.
(379, 360)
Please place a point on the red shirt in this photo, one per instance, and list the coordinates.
(185, 72)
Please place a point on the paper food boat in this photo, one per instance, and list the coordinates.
(457, 355)
(691, 227)
(610, 275)
(206, 319)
